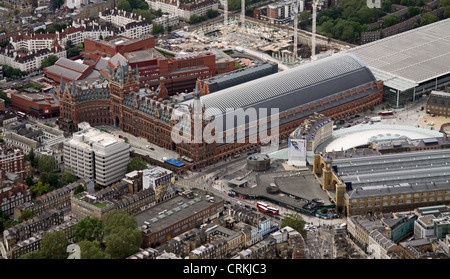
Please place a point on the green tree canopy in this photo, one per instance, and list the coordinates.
(89, 229)
(115, 219)
(136, 163)
(35, 255)
(40, 189)
(5, 97)
(79, 189)
(48, 61)
(303, 18)
(25, 215)
(413, 11)
(427, 19)
(54, 245)
(31, 157)
(123, 242)
(124, 5)
(68, 176)
(46, 164)
(122, 238)
(194, 19)
(296, 222)
(390, 21)
(157, 29)
(91, 250)
(212, 13)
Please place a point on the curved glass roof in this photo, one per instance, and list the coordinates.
(292, 81)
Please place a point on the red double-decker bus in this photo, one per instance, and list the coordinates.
(262, 207)
(266, 209)
(386, 113)
(272, 211)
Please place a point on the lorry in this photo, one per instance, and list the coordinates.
(375, 119)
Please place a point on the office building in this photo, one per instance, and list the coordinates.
(97, 155)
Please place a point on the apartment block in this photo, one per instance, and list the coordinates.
(16, 196)
(57, 199)
(33, 243)
(12, 160)
(28, 228)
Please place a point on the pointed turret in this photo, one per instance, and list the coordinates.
(61, 84)
(197, 102)
(74, 88)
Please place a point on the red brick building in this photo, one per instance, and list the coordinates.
(177, 73)
(337, 87)
(12, 160)
(19, 194)
(37, 104)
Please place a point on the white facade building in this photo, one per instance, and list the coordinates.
(184, 11)
(97, 155)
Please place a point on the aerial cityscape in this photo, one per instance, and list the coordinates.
(225, 129)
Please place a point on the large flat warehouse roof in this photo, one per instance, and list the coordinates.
(407, 59)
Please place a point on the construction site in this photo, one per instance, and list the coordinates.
(254, 38)
(288, 46)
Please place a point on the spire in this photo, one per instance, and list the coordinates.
(74, 87)
(197, 102)
(61, 84)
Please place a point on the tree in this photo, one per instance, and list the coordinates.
(68, 176)
(123, 242)
(390, 21)
(25, 215)
(79, 189)
(212, 13)
(54, 245)
(136, 163)
(115, 219)
(296, 222)
(194, 19)
(157, 29)
(413, 11)
(5, 97)
(447, 12)
(31, 157)
(147, 14)
(35, 255)
(29, 181)
(88, 229)
(48, 61)
(11, 72)
(53, 180)
(386, 5)
(304, 18)
(124, 5)
(122, 238)
(40, 189)
(326, 28)
(46, 164)
(427, 19)
(91, 250)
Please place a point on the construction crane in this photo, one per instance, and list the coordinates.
(313, 39)
(295, 7)
(242, 12)
(225, 13)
